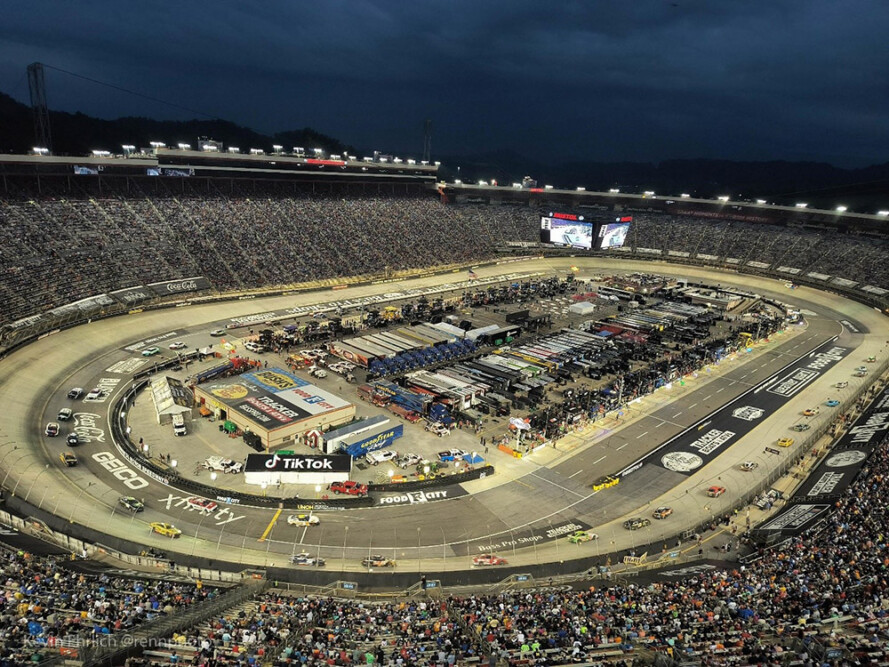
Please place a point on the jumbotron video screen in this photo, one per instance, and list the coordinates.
(566, 229)
(613, 235)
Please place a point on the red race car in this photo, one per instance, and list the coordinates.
(488, 559)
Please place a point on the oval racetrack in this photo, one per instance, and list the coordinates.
(519, 513)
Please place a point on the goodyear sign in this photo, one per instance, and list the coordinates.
(373, 442)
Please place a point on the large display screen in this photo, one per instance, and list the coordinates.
(569, 231)
(612, 235)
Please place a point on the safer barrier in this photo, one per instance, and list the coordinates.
(439, 481)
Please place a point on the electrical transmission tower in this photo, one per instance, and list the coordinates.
(427, 140)
(37, 87)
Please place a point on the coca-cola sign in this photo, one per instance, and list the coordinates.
(180, 286)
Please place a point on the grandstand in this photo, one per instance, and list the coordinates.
(820, 598)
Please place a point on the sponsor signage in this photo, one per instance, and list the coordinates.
(419, 497)
(520, 538)
(301, 463)
(376, 441)
(267, 410)
(796, 517)
(132, 295)
(168, 287)
(311, 400)
(275, 379)
(837, 472)
(694, 448)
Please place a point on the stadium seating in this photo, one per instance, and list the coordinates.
(65, 244)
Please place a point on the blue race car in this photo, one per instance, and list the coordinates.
(832, 403)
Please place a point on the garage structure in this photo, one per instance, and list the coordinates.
(171, 398)
(275, 405)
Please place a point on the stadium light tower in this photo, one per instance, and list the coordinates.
(234, 149)
(760, 201)
(685, 195)
(614, 191)
(255, 151)
(128, 148)
(157, 144)
(184, 147)
(318, 151)
(842, 209)
(801, 204)
(277, 149)
(581, 189)
(883, 213)
(40, 151)
(723, 197)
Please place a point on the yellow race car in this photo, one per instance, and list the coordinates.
(165, 529)
(785, 442)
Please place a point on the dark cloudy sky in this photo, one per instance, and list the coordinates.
(595, 79)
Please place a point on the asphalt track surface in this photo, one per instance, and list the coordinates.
(522, 513)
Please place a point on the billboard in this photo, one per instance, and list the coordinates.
(168, 287)
(311, 400)
(306, 463)
(613, 235)
(565, 229)
(274, 379)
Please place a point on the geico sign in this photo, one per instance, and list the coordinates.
(117, 468)
(184, 286)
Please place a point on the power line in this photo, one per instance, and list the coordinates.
(133, 92)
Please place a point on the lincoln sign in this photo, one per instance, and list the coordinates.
(296, 468)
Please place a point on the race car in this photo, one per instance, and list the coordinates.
(150, 351)
(488, 559)
(165, 529)
(217, 332)
(841, 385)
(662, 512)
(832, 403)
(811, 412)
(636, 523)
(747, 466)
(52, 429)
(304, 558)
(407, 460)
(130, 503)
(349, 487)
(72, 440)
(303, 520)
(94, 394)
(75, 393)
(377, 561)
(68, 459)
(871, 359)
(580, 536)
(65, 414)
(786, 442)
(452, 455)
(861, 369)
(859, 374)
(715, 491)
(178, 345)
(202, 504)
(798, 428)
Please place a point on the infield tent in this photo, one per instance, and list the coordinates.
(170, 397)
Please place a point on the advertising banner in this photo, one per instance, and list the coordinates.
(302, 463)
(132, 295)
(311, 400)
(274, 379)
(267, 410)
(169, 287)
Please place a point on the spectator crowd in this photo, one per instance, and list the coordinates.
(821, 599)
(68, 241)
(45, 604)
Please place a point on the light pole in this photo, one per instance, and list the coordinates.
(345, 535)
(419, 558)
